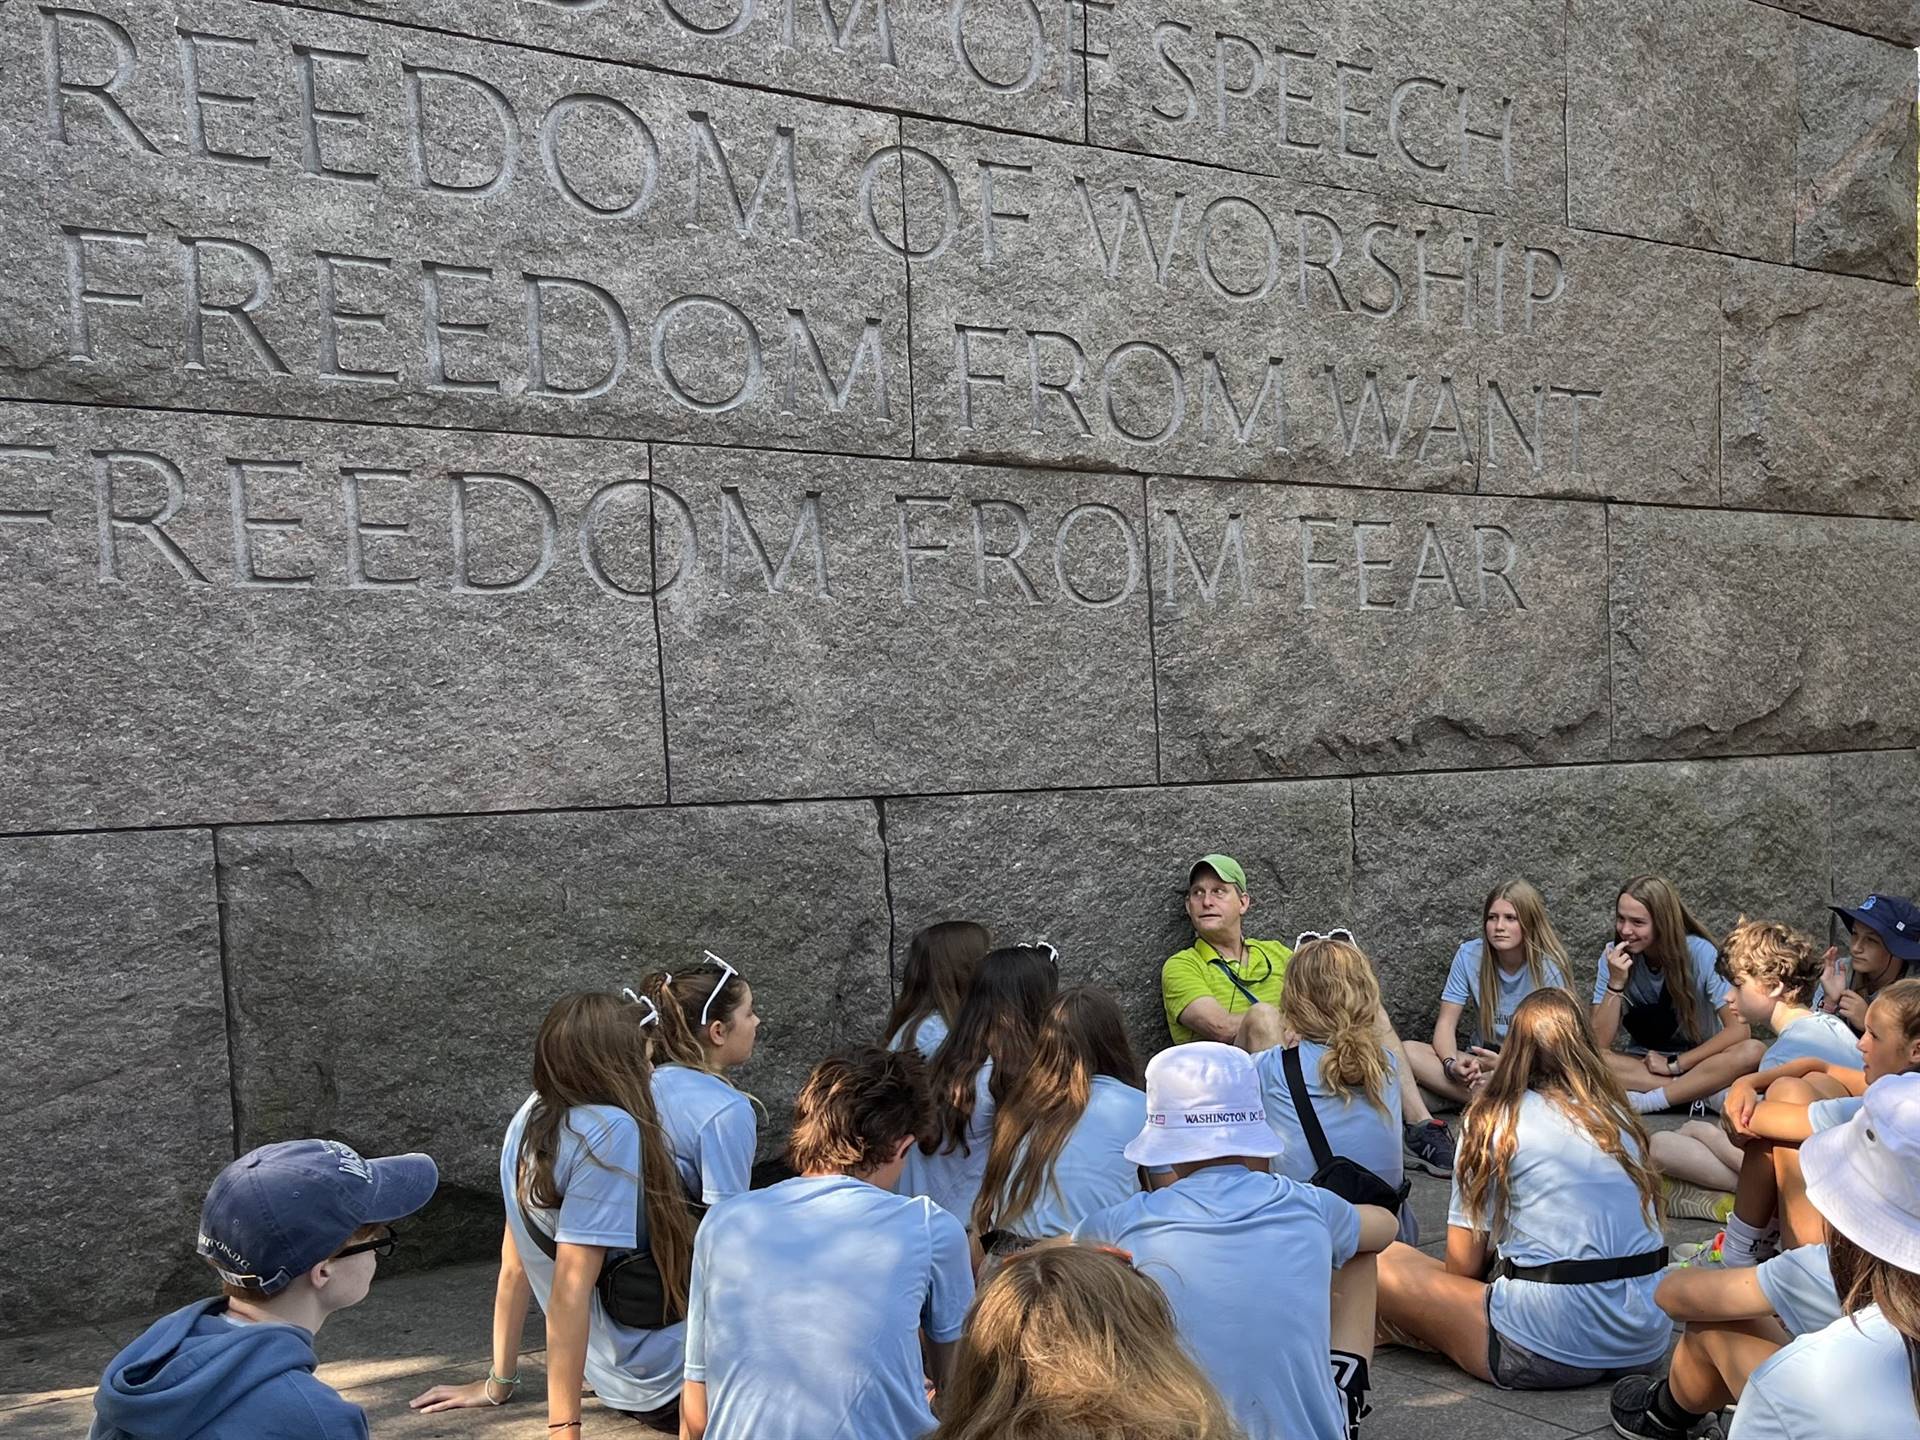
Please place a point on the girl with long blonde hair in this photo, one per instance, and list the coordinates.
(1350, 1076)
(1662, 1012)
(1516, 953)
(1553, 1169)
(1072, 1343)
(1060, 1136)
(587, 1165)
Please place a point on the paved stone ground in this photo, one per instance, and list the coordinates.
(417, 1330)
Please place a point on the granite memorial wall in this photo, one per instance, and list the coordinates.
(496, 495)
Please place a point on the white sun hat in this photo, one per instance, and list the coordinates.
(1864, 1176)
(1203, 1103)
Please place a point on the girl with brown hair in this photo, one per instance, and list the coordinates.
(1060, 1136)
(588, 1175)
(707, 1027)
(974, 1071)
(1072, 1343)
(940, 963)
(1662, 1013)
(1516, 953)
(1553, 1169)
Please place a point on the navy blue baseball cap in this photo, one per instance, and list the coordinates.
(280, 1210)
(1894, 918)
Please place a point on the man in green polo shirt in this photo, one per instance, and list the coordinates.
(1218, 988)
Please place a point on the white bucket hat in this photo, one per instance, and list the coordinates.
(1864, 1176)
(1203, 1102)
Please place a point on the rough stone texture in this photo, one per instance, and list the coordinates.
(1872, 801)
(180, 672)
(1896, 20)
(1349, 631)
(994, 62)
(597, 274)
(1102, 874)
(1782, 651)
(1204, 80)
(388, 978)
(1820, 393)
(1074, 306)
(1681, 123)
(1856, 162)
(1735, 836)
(118, 1108)
(308, 262)
(918, 601)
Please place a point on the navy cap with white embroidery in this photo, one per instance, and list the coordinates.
(1894, 918)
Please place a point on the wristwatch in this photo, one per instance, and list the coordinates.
(1673, 1062)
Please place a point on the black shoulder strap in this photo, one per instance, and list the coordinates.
(544, 1242)
(1303, 1107)
(1227, 970)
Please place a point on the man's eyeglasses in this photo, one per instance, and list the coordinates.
(383, 1247)
(1338, 933)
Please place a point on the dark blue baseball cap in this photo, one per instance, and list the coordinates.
(1894, 918)
(280, 1210)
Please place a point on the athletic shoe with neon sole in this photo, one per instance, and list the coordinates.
(1694, 1202)
(1703, 1252)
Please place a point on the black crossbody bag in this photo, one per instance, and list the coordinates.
(631, 1288)
(1348, 1179)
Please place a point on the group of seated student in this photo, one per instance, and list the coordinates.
(999, 1227)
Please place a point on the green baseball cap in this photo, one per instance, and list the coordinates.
(1225, 866)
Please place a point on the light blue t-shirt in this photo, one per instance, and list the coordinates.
(926, 1038)
(1567, 1199)
(1463, 988)
(1246, 1260)
(711, 1128)
(1354, 1128)
(806, 1305)
(1798, 1285)
(1092, 1170)
(1644, 987)
(1849, 1381)
(951, 1177)
(597, 1168)
(1817, 1036)
(1828, 1114)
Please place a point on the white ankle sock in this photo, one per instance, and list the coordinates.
(1740, 1242)
(1647, 1102)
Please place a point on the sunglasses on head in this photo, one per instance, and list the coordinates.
(1339, 932)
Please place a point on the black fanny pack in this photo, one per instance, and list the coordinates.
(1348, 1179)
(631, 1288)
(1584, 1272)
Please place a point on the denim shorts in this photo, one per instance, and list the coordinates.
(1514, 1367)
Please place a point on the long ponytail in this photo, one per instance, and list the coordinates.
(1332, 999)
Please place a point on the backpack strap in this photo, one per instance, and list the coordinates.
(1303, 1107)
(544, 1242)
(1585, 1272)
